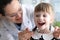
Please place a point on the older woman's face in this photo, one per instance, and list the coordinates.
(13, 12)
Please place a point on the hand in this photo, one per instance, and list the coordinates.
(25, 35)
(56, 32)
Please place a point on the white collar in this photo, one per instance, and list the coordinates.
(48, 36)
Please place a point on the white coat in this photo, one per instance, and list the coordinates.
(28, 17)
(8, 30)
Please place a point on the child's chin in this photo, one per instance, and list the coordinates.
(42, 28)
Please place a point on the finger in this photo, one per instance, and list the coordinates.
(56, 28)
(20, 33)
(27, 30)
(32, 33)
(29, 35)
(58, 31)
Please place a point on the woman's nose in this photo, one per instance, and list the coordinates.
(19, 15)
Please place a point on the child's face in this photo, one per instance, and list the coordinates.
(42, 20)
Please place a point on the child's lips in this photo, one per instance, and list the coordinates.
(41, 24)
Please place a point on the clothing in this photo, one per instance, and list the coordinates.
(40, 36)
(4, 34)
(8, 30)
(18, 26)
(28, 19)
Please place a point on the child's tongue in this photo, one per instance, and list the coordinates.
(41, 24)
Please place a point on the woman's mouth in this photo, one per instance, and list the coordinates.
(20, 19)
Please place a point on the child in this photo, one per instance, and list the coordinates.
(44, 30)
(43, 18)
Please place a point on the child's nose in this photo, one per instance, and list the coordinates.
(41, 18)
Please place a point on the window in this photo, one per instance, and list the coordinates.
(56, 4)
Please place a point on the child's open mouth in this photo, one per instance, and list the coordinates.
(41, 24)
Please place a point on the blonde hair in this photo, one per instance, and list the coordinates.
(45, 7)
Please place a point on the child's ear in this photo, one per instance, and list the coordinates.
(52, 20)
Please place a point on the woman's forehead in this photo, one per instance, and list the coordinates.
(13, 7)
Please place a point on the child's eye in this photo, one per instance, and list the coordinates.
(44, 15)
(37, 15)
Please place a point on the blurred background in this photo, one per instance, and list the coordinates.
(55, 3)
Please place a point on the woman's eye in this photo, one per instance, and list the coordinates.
(13, 15)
